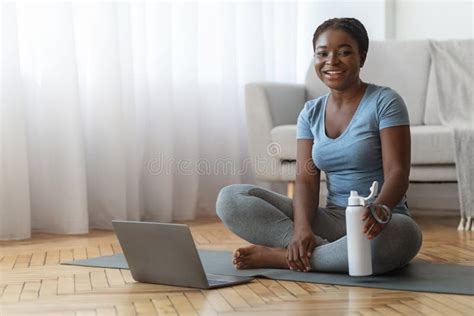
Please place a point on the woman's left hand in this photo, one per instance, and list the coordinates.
(372, 228)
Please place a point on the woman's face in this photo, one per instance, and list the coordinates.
(337, 59)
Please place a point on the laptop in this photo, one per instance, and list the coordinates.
(166, 254)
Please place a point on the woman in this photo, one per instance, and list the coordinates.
(358, 133)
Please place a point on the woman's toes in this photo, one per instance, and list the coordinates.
(238, 257)
(236, 254)
(241, 264)
(245, 251)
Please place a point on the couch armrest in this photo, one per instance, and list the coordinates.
(268, 105)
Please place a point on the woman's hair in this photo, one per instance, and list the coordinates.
(351, 26)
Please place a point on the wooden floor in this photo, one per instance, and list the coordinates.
(32, 282)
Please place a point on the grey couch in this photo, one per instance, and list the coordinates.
(405, 66)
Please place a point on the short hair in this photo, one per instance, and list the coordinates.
(351, 26)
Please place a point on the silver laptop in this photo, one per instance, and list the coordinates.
(166, 254)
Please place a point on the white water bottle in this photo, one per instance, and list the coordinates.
(358, 246)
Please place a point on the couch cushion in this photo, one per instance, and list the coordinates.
(284, 137)
(419, 173)
(433, 173)
(403, 66)
(429, 144)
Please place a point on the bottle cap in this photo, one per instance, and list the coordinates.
(355, 199)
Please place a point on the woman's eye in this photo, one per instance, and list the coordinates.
(345, 53)
(321, 54)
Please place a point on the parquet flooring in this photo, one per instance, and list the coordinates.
(32, 282)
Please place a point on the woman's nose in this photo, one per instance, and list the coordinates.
(332, 59)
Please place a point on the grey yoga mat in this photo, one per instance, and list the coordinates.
(416, 276)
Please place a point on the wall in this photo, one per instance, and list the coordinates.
(372, 13)
(435, 19)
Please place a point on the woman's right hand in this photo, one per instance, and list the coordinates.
(300, 249)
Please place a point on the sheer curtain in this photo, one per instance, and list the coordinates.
(131, 110)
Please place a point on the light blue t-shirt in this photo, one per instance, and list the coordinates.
(353, 160)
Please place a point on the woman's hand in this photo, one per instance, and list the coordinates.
(372, 228)
(300, 249)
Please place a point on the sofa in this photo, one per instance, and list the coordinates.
(405, 66)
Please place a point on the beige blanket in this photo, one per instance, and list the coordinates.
(453, 64)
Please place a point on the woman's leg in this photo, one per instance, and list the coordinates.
(263, 217)
(395, 246)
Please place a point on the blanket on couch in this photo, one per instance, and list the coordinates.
(453, 65)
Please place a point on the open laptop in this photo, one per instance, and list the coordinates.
(166, 254)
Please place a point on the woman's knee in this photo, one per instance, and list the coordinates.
(229, 202)
(411, 237)
(397, 244)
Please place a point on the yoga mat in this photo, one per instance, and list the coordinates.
(417, 276)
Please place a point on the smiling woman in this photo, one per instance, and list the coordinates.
(356, 134)
(338, 60)
(348, 47)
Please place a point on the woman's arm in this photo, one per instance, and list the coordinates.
(396, 160)
(305, 201)
(306, 198)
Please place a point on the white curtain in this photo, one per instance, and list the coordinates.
(132, 110)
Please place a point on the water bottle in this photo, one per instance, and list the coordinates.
(358, 246)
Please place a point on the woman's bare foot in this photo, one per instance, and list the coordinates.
(256, 256)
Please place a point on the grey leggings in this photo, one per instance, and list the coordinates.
(263, 217)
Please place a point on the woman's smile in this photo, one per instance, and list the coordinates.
(333, 74)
